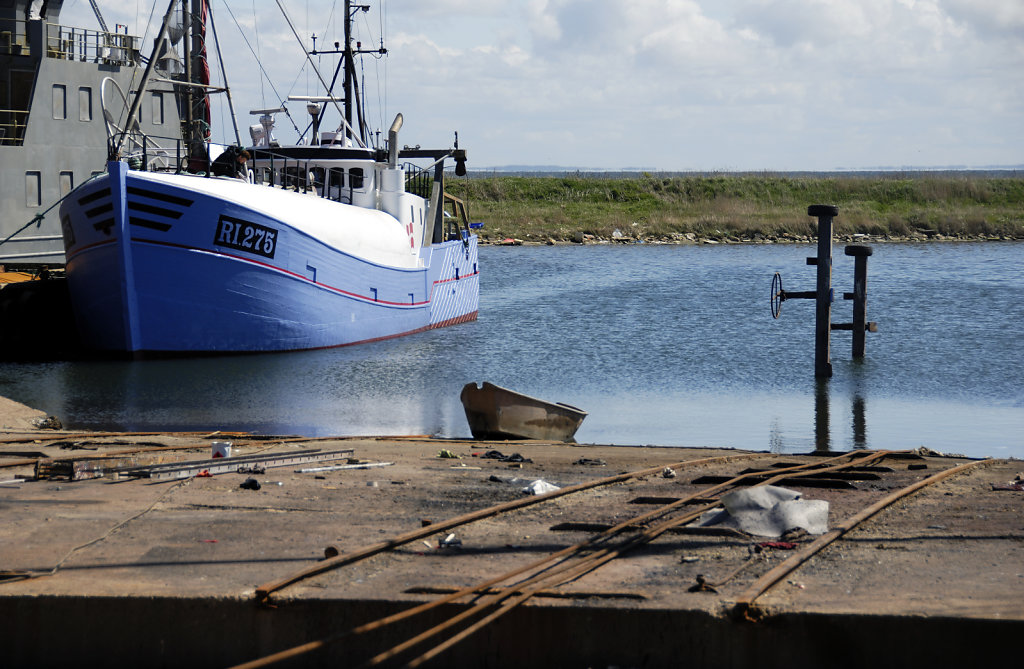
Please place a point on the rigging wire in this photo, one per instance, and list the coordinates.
(123, 117)
(382, 88)
(259, 64)
(315, 70)
(256, 29)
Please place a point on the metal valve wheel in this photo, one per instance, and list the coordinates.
(778, 295)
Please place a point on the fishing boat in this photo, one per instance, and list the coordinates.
(494, 412)
(328, 243)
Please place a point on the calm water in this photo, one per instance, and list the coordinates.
(661, 344)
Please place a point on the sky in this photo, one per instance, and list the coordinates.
(656, 85)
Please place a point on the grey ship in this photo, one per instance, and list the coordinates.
(64, 93)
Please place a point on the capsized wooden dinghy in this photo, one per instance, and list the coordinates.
(494, 412)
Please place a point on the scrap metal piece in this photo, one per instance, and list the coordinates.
(183, 470)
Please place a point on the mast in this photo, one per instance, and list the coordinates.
(198, 72)
(186, 47)
(132, 122)
(349, 67)
(349, 62)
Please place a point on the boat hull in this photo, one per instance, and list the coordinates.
(157, 265)
(494, 412)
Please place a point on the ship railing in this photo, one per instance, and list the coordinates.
(456, 220)
(19, 37)
(12, 126)
(332, 183)
(273, 169)
(92, 46)
(14, 38)
(150, 153)
(418, 180)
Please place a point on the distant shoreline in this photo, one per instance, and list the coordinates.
(590, 240)
(764, 208)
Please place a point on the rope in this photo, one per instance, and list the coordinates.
(13, 576)
(38, 218)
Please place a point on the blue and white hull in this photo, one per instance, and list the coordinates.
(181, 263)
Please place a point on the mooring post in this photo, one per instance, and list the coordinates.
(860, 296)
(823, 295)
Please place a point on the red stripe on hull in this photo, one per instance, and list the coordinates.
(465, 318)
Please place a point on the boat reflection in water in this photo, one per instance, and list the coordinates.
(647, 360)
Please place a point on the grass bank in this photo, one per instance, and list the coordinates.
(762, 207)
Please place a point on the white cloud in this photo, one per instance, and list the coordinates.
(779, 84)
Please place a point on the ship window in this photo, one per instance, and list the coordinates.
(33, 191)
(158, 108)
(317, 174)
(60, 108)
(336, 178)
(293, 177)
(67, 183)
(84, 103)
(355, 177)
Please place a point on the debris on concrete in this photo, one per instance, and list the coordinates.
(702, 585)
(250, 484)
(780, 545)
(332, 468)
(1017, 484)
(768, 511)
(47, 423)
(501, 457)
(540, 487)
(447, 454)
(449, 541)
(220, 449)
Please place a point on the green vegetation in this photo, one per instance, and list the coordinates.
(762, 207)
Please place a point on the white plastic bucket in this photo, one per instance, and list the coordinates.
(221, 449)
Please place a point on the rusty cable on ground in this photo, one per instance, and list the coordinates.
(265, 590)
(591, 563)
(147, 449)
(26, 575)
(544, 579)
(32, 438)
(744, 606)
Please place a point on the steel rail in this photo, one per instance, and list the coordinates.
(112, 454)
(265, 590)
(744, 606)
(32, 438)
(521, 592)
(545, 577)
(593, 562)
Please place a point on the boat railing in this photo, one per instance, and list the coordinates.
(456, 220)
(272, 169)
(91, 46)
(12, 126)
(150, 153)
(19, 37)
(339, 184)
(14, 40)
(418, 180)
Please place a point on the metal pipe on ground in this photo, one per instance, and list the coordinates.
(589, 563)
(744, 606)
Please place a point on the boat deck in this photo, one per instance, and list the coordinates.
(604, 572)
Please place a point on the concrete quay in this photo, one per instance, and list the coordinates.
(201, 571)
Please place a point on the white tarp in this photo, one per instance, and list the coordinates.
(768, 511)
